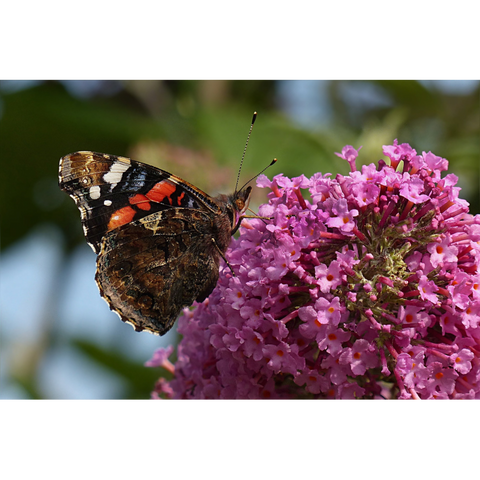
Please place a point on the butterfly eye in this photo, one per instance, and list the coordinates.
(240, 204)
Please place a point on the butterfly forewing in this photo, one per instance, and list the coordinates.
(111, 191)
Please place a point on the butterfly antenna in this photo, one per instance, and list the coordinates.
(245, 149)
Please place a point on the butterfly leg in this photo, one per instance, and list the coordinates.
(223, 256)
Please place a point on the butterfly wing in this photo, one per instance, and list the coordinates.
(151, 268)
(112, 191)
(158, 238)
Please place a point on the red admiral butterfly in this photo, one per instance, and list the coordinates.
(159, 239)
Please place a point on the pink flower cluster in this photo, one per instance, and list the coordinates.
(366, 288)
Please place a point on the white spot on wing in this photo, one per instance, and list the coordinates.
(114, 175)
(95, 192)
(107, 203)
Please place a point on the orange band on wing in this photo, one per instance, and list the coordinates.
(161, 190)
(179, 200)
(141, 201)
(121, 217)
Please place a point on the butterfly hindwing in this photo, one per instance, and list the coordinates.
(152, 267)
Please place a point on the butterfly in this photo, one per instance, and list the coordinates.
(159, 239)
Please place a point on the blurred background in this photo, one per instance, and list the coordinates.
(58, 338)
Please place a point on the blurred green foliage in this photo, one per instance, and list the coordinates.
(209, 119)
